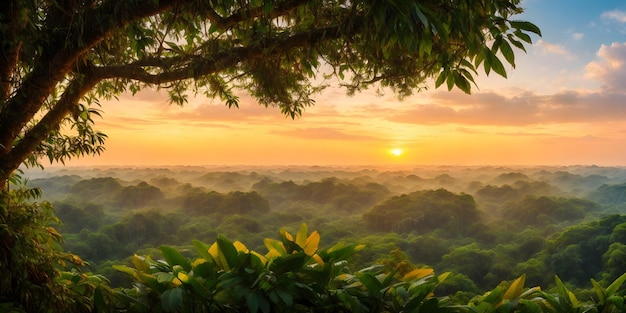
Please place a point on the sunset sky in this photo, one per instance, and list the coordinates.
(564, 104)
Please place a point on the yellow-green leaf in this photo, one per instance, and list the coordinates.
(515, 289)
(274, 247)
(418, 273)
(312, 243)
(301, 235)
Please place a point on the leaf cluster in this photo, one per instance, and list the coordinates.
(293, 276)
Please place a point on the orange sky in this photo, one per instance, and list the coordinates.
(565, 103)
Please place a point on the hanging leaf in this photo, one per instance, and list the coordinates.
(462, 83)
(527, 26)
(441, 79)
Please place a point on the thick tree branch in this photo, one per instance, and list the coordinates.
(51, 120)
(63, 54)
(10, 48)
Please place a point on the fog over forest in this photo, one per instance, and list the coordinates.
(482, 224)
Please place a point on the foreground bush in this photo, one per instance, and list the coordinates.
(295, 276)
(35, 274)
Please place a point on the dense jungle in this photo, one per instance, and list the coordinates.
(483, 225)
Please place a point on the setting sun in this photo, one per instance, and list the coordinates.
(396, 151)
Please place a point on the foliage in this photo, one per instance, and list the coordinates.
(296, 276)
(293, 276)
(610, 194)
(37, 276)
(548, 210)
(424, 211)
(329, 192)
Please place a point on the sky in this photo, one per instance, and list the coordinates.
(563, 104)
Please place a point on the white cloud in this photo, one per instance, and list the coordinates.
(609, 69)
(578, 36)
(550, 48)
(615, 15)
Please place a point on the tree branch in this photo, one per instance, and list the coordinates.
(34, 136)
(63, 53)
(278, 9)
(243, 14)
(198, 66)
(10, 48)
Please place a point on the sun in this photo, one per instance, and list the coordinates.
(396, 151)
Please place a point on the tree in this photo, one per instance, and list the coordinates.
(58, 58)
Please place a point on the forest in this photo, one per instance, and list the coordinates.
(483, 225)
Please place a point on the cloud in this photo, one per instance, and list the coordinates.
(523, 109)
(322, 133)
(549, 48)
(615, 16)
(578, 36)
(609, 69)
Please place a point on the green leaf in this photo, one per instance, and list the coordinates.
(494, 63)
(228, 250)
(442, 78)
(617, 302)
(172, 299)
(274, 247)
(141, 264)
(515, 289)
(462, 83)
(173, 257)
(125, 269)
(527, 26)
(267, 6)
(516, 43)
(302, 235)
(565, 293)
(286, 297)
(450, 81)
(370, 282)
(611, 289)
(256, 301)
(494, 296)
(479, 58)
(523, 36)
(425, 46)
(496, 44)
(507, 52)
(204, 270)
(203, 249)
(163, 277)
(98, 300)
(420, 15)
(599, 291)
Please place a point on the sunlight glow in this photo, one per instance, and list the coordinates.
(396, 151)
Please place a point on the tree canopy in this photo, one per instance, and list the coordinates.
(59, 58)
